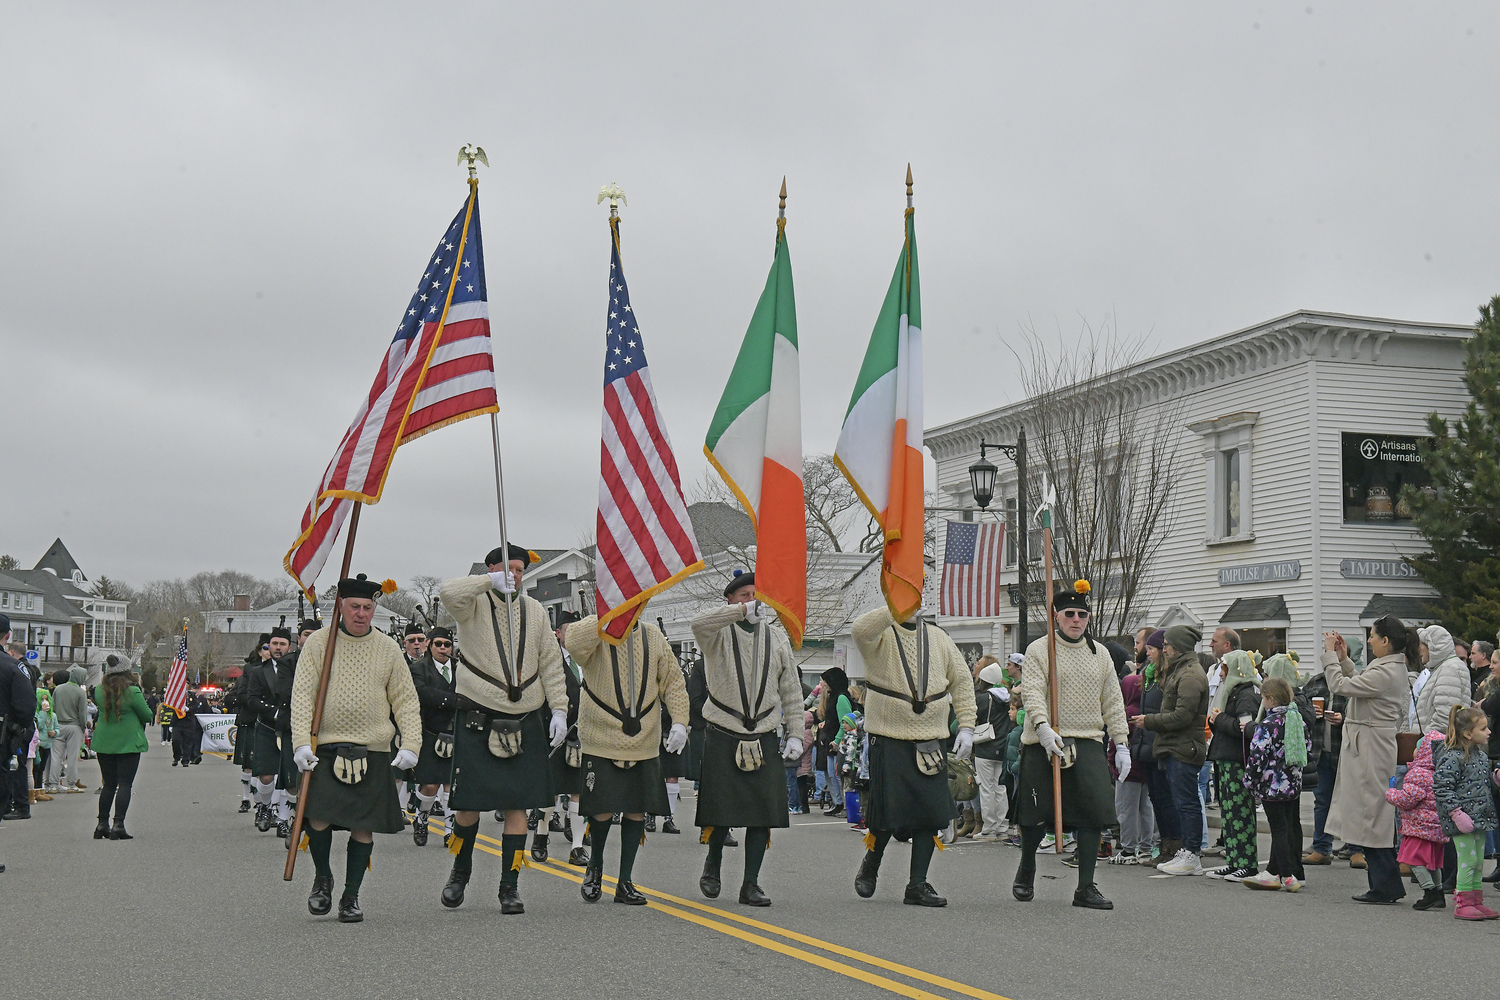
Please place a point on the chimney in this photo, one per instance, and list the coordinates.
(242, 602)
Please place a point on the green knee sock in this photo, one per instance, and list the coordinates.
(1031, 839)
(356, 863)
(923, 843)
(631, 832)
(319, 844)
(512, 849)
(466, 836)
(1088, 854)
(757, 839)
(598, 836)
(716, 845)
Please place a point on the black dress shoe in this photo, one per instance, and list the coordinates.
(117, 832)
(284, 829)
(101, 832)
(1370, 897)
(349, 911)
(627, 893)
(18, 814)
(579, 857)
(1024, 887)
(263, 819)
(1089, 897)
(556, 824)
(650, 823)
(320, 901)
(729, 840)
(539, 847)
(532, 819)
(922, 895)
(510, 899)
(453, 892)
(1493, 876)
(593, 878)
(869, 872)
(751, 895)
(244, 803)
(708, 882)
(419, 829)
(668, 826)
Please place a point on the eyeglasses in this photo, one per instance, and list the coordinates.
(441, 644)
(1075, 614)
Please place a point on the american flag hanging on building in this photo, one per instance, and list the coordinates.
(177, 678)
(972, 554)
(438, 370)
(645, 540)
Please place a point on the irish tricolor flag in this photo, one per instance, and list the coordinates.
(880, 447)
(755, 442)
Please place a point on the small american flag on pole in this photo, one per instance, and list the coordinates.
(177, 678)
(972, 553)
(645, 540)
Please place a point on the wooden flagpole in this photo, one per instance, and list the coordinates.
(1052, 695)
(317, 718)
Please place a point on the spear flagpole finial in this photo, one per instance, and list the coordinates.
(472, 153)
(616, 198)
(782, 210)
(908, 185)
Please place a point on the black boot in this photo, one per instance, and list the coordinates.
(555, 824)
(1023, 888)
(117, 832)
(453, 892)
(627, 893)
(922, 894)
(578, 857)
(650, 823)
(539, 847)
(244, 803)
(592, 880)
(320, 901)
(668, 826)
(751, 895)
(869, 872)
(1493, 876)
(419, 829)
(1090, 897)
(729, 840)
(510, 899)
(532, 819)
(349, 911)
(101, 832)
(708, 882)
(1432, 899)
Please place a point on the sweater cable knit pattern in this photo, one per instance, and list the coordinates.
(948, 672)
(369, 684)
(1088, 692)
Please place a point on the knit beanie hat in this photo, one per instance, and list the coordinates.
(1157, 638)
(1183, 638)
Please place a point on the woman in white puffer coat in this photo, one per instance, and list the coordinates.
(1447, 683)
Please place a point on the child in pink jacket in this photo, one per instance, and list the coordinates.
(1422, 836)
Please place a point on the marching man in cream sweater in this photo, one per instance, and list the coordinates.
(914, 674)
(1089, 706)
(352, 787)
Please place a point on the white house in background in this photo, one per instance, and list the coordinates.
(53, 609)
(1297, 438)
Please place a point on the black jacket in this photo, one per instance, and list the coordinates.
(20, 705)
(1326, 737)
(1229, 740)
(234, 700)
(260, 693)
(435, 694)
(286, 674)
(993, 710)
(697, 690)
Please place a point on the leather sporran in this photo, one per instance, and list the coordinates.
(749, 756)
(1069, 755)
(624, 765)
(442, 745)
(351, 764)
(931, 760)
(505, 738)
(573, 753)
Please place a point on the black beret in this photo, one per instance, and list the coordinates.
(517, 554)
(359, 587)
(740, 579)
(414, 629)
(1077, 597)
(265, 637)
(439, 632)
(309, 625)
(281, 633)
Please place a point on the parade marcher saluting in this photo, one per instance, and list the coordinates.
(1089, 705)
(620, 730)
(913, 675)
(351, 786)
(752, 685)
(433, 676)
(501, 740)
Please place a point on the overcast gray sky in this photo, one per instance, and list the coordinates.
(211, 217)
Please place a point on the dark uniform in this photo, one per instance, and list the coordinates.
(434, 683)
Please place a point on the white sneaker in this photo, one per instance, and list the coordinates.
(1184, 862)
(1262, 880)
(1048, 845)
(1290, 883)
(985, 838)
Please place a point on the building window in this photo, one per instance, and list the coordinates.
(4, 600)
(1229, 477)
(1010, 531)
(1377, 468)
(1265, 641)
(30, 602)
(1229, 461)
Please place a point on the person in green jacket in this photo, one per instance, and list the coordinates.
(46, 731)
(119, 740)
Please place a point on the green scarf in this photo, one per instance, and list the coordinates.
(1241, 671)
(1296, 738)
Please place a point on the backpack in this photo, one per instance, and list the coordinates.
(962, 784)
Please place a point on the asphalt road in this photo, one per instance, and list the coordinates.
(196, 906)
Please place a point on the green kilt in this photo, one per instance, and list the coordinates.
(901, 798)
(565, 780)
(288, 778)
(431, 769)
(482, 781)
(370, 805)
(265, 750)
(1088, 794)
(693, 758)
(242, 744)
(729, 797)
(611, 789)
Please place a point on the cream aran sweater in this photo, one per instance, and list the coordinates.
(369, 684)
(1088, 692)
(717, 633)
(601, 733)
(947, 672)
(468, 600)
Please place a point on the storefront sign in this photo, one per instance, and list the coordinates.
(1376, 569)
(1274, 572)
(1377, 470)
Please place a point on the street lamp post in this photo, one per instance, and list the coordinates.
(982, 475)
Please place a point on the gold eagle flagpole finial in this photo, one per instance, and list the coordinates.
(472, 153)
(616, 198)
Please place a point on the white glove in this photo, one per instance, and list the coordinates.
(404, 760)
(558, 729)
(793, 748)
(305, 758)
(500, 580)
(756, 612)
(963, 744)
(1122, 761)
(1050, 741)
(677, 738)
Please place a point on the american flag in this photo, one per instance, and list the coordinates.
(177, 678)
(438, 370)
(645, 540)
(971, 569)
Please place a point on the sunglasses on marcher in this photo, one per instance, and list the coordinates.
(1070, 613)
(441, 643)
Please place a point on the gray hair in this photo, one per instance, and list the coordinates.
(16, 649)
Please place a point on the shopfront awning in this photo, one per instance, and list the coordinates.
(1411, 610)
(1258, 612)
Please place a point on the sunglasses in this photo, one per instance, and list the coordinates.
(441, 643)
(413, 638)
(1075, 614)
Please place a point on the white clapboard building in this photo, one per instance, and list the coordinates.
(1296, 437)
